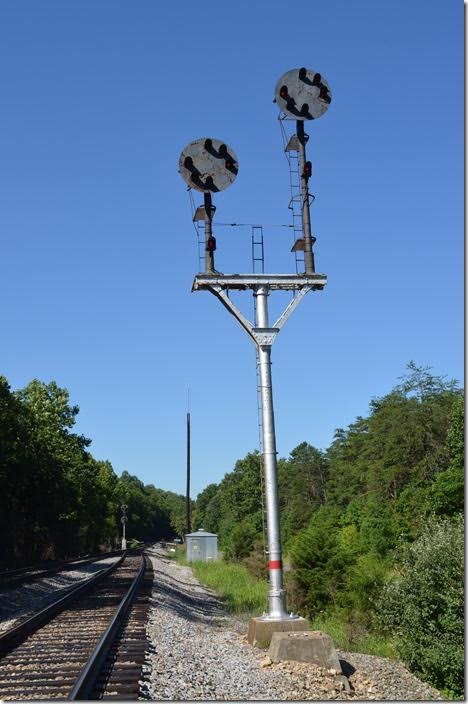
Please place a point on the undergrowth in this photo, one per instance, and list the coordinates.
(346, 638)
(240, 592)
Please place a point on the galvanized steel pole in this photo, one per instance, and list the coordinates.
(305, 207)
(276, 594)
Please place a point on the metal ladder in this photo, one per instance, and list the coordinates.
(258, 251)
(291, 150)
(198, 220)
(295, 203)
(200, 225)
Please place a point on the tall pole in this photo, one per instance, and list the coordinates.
(276, 594)
(305, 209)
(187, 493)
(209, 251)
(124, 519)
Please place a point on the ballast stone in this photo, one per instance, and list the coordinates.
(261, 630)
(306, 646)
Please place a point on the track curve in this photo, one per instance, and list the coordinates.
(47, 663)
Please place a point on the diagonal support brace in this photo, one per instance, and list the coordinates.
(292, 306)
(259, 336)
(222, 296)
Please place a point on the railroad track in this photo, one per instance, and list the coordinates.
(89, 645)
(9, 579)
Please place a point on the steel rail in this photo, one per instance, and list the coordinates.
(22, 575)
(86, 681)
(17, 633)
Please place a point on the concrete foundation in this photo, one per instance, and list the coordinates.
(307, 646)
(261, 630)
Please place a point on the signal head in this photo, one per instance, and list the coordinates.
(307, 170)
(303, 94)
(208, 165)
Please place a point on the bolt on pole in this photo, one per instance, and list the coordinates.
(302, 138)
(276, 594)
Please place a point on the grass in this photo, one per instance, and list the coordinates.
(239, 591)
(344, 638)
(242, 593)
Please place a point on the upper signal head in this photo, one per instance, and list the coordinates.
(303, 94)
(208, 165)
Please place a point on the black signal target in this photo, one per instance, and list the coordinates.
(208, 165)
(303, 94)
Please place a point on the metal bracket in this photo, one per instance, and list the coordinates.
(261, 337)
(265, 336)
(292, 306)
(221, 294)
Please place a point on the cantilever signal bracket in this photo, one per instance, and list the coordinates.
(261, 337)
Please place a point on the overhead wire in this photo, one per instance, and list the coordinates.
(246, 224)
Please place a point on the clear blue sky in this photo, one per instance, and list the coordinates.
(99, 252)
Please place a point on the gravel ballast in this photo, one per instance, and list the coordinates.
(199, 652)
(17, 604)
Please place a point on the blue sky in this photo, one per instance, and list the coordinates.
(98, 248)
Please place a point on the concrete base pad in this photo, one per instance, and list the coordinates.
(308, 646)
(261, 630)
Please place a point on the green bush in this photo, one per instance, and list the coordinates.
(423, 604)
(241, 540)
(317, 563)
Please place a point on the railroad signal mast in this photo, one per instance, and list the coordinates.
(124, 521)
(210, 166)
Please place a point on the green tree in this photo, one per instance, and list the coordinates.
(381, 472)
(318, 569)
(18, 502)
(301, 486)
(423, 604)
(201, 504)
(241, 539)
(237, 497)
(447, 494)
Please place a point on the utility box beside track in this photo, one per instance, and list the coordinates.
(201, 545)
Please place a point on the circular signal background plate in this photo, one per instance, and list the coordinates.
(208, 165)
(303, 94)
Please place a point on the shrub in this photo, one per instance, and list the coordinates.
(257, 560)
(423, 604)
(240, 540)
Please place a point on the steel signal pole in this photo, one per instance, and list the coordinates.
(302, 138)
(263, 335)
(276, 594)
(209, 256)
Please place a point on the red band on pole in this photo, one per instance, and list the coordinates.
(275, 564)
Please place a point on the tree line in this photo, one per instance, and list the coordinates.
(56, 500)
(372, 527)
